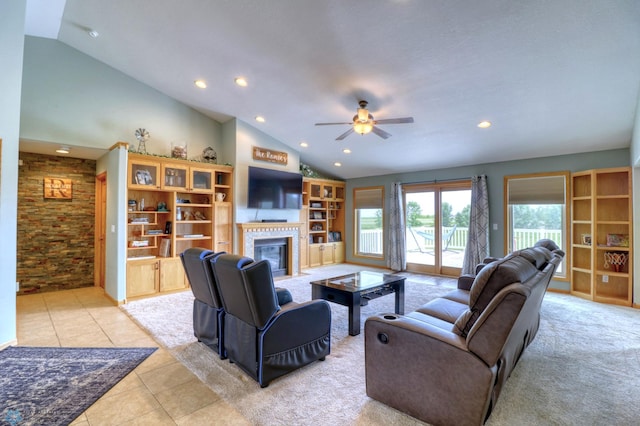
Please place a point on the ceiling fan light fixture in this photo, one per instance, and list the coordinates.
(363, 114)
(362, 127)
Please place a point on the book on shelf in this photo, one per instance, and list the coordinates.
(192, 235)
(139, 220)
(139, 243)
(165, 247)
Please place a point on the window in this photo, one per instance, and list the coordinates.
(536, 207)
(368, 205)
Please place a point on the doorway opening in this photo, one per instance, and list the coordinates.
(437, 226)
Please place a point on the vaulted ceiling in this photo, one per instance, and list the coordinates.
(553, 77)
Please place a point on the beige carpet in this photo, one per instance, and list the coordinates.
(582, 369)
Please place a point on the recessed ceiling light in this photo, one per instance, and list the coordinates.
(201, 84)
(260, 119)
(241, 81)
(346, 151)
(484, 124)
(337, 164)
(304, 144)
(93, 33)
(63, 150)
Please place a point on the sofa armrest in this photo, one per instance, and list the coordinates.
(425, 371)
(297, 324)
(465, 281)
(284, 296)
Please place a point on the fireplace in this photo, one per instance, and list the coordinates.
(253, 234)
(273, 250)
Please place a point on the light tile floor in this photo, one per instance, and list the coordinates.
(160, 391)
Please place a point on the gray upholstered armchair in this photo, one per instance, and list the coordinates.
(208, 314)
(263, 338)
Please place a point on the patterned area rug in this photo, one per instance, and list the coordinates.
(53, 386)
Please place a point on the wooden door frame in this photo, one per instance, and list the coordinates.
(100, 230)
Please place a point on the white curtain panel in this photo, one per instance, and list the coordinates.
(396, 257)
(478, 243)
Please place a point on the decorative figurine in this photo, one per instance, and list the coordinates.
(142, 135)
(209, 155)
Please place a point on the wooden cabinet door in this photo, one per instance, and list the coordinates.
(338, 252)
(315, 190)
(143, 174)
(202, 180)
(328, 192)
(339, 192)
(315, 254)
(175, 177)
(172, 275)
(142, 277)
(327, 254)
(223, 227)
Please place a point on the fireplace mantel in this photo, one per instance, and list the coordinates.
(251, 231)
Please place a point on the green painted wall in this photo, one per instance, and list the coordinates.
(71, 98)
(495, 175)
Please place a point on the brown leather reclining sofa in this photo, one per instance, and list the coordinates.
(446, 362)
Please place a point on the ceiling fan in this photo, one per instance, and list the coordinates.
(364, 123)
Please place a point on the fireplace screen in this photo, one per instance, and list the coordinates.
(273, 250)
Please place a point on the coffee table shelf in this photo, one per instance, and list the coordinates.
(352, 290)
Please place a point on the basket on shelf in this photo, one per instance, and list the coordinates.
(614, 259)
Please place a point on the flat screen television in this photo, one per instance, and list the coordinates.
(274, 189)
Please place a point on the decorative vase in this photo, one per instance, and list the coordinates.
(179, 150)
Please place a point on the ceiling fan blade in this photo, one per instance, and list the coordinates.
(345, 134)
(378, 131)
(331, 124)
(394, 120)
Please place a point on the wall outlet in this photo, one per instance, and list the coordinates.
(605, 278)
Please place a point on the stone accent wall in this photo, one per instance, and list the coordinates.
(55, 236)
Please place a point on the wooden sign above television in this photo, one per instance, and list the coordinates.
(263, 154)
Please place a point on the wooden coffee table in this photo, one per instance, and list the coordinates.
(354, 290)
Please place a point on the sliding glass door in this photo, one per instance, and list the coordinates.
(437, 221)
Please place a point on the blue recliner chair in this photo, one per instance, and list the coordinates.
(208, 313)
(264, 337)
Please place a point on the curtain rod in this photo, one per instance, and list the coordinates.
(438, 180)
